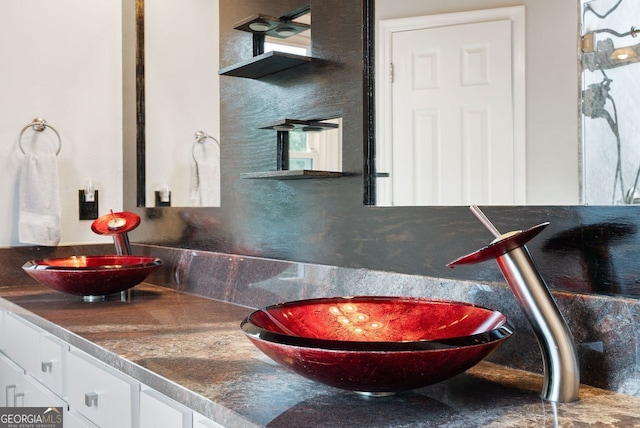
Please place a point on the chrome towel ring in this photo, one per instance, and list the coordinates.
(39, 124)
(201, 138)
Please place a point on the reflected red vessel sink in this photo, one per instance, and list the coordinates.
(91, 275)
(377, 345)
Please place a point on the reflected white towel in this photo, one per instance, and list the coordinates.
(204, 181)
(39, 216)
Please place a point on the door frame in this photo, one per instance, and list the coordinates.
(384, 92)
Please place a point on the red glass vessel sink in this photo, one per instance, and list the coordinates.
(92, 275)
(377, 345)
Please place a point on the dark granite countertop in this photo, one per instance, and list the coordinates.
(191, 349)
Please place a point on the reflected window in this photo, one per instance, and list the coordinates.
(316, 150)
(299, 44)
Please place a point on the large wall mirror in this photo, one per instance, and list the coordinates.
(480, 102)
(554, 155)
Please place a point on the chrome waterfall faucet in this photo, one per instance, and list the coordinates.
(117, 225)
(559, 355)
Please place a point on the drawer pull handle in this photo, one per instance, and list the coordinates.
(47, 366)
(91, 399)
(6, 397)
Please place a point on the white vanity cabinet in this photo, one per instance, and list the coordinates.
(38, 369)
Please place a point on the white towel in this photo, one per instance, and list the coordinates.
(204, 180)
(40, 213)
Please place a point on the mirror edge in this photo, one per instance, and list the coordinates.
(129, 102)
(369, 171)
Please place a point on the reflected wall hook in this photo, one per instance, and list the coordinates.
(201, 138)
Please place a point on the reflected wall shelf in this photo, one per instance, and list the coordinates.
(282, 128)
(264, 65)
(301, 174)
(299, 125)
(267, 25)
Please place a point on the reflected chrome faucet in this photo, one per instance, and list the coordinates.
(559, 356)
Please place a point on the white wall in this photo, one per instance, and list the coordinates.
(61, 60)
(552, 125)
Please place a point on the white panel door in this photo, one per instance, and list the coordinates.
(452, 103)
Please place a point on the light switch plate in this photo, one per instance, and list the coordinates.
(87, 210)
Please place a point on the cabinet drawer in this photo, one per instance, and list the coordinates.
(101, 394)
(18, 389)
(158, 410)
(37, 352)
(52, 364)
(22, 343)
(74, 419)
(31, 393)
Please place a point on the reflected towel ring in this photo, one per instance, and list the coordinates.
(39, 124)
(200, 138)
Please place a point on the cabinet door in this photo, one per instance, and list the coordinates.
(157, 410)
(101, 394)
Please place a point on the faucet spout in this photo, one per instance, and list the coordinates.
(559, 355)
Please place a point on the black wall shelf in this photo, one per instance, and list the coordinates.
(265, 64)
